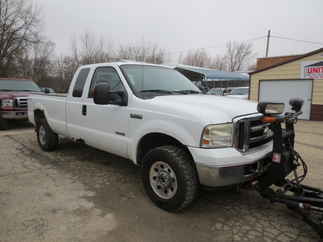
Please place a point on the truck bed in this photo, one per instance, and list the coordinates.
(55, 104)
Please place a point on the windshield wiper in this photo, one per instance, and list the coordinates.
(27, 90)
(162, 91)
(7, 90)
(187, 92)
(158, 91)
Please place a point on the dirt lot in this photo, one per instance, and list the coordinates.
(80, 194)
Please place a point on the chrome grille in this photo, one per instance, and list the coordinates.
(21, 102)
(251, 132)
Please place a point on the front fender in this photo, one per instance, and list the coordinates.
(169, 128)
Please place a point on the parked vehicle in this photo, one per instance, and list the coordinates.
(239, 92)
(13, 99)
(47, 90)
(216, 91)
(157, 118)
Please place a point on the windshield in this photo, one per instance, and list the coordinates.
(19, 85)
(239, 91)
(153, 80)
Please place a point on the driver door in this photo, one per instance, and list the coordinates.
(106, 126)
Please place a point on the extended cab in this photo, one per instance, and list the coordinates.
(13, 99)
(156, 117)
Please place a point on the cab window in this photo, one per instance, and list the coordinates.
(106, 75)
(80, 82)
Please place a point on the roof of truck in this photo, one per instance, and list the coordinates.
(120, 63)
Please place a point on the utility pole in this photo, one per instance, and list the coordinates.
(267, 46)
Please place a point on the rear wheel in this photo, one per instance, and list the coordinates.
(4, 124)
(169, 178)
(47, 139)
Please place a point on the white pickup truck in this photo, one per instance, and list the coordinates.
(154, 116)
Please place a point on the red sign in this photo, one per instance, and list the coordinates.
(313, 70)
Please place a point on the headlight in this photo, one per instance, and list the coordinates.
(6, 103)
(217, 135)
(270, 108)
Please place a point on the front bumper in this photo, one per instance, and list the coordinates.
(228, 166)
(16, 114)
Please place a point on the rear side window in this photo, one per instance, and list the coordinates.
(108, 75)
(80, 82)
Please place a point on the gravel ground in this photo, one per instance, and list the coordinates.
(78, 193)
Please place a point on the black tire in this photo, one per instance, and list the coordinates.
(4, 124)
(49, 140)
(187, 183)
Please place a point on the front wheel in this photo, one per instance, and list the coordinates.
(169, 178)
(47, 139)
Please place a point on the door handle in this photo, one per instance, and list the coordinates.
(84, 110)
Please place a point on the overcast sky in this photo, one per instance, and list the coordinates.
(179, 25)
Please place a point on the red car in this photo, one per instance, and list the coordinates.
(14, 94)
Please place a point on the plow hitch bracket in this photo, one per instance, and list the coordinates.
(281, 182)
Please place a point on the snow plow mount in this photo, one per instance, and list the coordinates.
(281, 181)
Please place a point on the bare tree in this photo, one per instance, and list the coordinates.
(155, 55)
(42, 60)
(198, 57)
(91, 50)
(64, 68)
(36, 62)
(144, 52)
(237, 55)
(218, 63)
(86, 49)
(19, 29)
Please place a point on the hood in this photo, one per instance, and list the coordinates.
(14, 94)
(206, 108)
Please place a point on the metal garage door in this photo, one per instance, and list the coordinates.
(284, 90)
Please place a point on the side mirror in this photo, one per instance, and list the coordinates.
(46, 90)
(296, 104)
(103, 96)
(267, 108)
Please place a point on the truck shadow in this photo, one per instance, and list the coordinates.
(222, 213)
(18, 125)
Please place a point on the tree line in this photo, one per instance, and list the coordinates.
(25, 52)
(237, 57)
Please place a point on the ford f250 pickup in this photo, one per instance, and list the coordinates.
(155, 117)
(13, 99)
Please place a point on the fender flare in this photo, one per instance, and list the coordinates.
(163, 127)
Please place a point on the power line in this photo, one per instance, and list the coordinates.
(247, 40)
(214, 47)
(250, 40)
(297, 40)
(257, 38)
